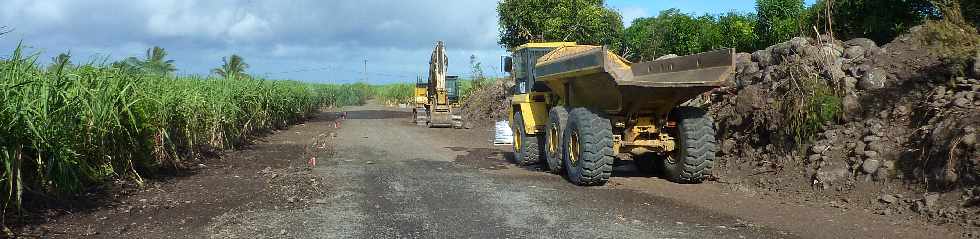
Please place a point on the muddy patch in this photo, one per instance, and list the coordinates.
(481, 158)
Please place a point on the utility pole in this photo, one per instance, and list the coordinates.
(365, 71)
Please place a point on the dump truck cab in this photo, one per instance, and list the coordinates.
(530, 97)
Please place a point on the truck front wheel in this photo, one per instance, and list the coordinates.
(554, 149)
(526, 148)
(692, 160)
(588, 141)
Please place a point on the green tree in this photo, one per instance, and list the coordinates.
(674, 32)
(476, 71)
(583, 21)
(156, 62)
(971, 10)
(878, 20)
(670, 32)
(779, 20)
(738, 31)
(636, 41)
(233, 67)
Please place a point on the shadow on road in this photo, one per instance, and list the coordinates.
(378, 114)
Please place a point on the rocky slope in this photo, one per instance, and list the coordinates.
(890, 129)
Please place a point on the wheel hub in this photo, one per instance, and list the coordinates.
(573, 148)
(517, 140)
(553, 143)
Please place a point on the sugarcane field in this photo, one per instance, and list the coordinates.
(490, 119)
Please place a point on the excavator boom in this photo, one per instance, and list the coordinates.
(438, 109)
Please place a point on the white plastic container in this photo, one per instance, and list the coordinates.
(502, 134)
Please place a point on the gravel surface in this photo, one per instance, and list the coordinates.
(397, 180)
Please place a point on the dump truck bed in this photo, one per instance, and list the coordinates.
(602, 80)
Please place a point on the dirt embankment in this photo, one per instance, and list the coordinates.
(888, 129)
(487, 104)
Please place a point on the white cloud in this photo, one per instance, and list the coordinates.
(222, 21)
(37, 11)
(632, 13)
(249, 27)
(273, 35)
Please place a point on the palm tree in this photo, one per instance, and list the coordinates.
(131, 64)
(58, 63)
(155, 62)
(233, 67)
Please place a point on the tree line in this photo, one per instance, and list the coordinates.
(675, 32)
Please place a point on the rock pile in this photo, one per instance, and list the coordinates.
(903, 121)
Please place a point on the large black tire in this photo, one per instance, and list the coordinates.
(692, 160)
(588, 141)
(554, 149)
(526, 148)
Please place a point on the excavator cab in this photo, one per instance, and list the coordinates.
(452, 89)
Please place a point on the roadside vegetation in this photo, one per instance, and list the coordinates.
(951, 23)
(675, 32)
(66, 127)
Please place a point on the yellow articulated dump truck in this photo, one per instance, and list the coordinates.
(580, 107)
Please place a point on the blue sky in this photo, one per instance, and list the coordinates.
(632, 9)
(308, 40)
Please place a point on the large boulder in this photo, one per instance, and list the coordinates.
(835, 74)
(859, 70)
(831, 50)
(873, 80)
(763, 57)
(830, 174)
(870, 166)
(799, 43)
(850, 83)
(748, 100)
(852, 105)
(668, 56)
(854, 52)
(867, 44)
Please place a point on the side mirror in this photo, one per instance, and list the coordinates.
(507, 64)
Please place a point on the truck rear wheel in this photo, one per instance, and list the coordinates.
(588, 141)
(526, 148)
(694, 157)
(554, 149)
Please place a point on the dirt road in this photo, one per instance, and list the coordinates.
(380, 176)
(396, 180)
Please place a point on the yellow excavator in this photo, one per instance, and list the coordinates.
(579, 107)
(436, 100)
